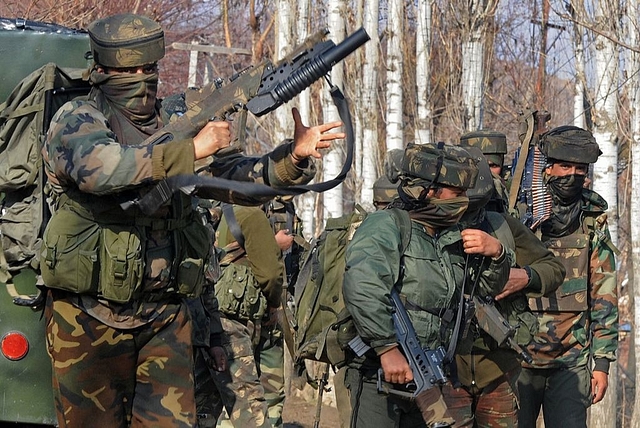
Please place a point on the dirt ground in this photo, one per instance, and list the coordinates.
(300, 413)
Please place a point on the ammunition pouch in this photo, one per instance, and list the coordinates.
(572, 295)
(89, 253)
(70, 253)
(238, 294)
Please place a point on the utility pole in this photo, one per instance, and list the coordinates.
(542, 59)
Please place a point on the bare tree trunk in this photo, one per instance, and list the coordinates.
(333, 159)
(305, 205)
(473, 64)
(423, 72)
(284, 46)
(395, 33)
(605, 174)
(634, 91)
(369, 103)
(578, 40)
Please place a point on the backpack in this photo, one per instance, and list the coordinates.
(319, 305)
(24, 122)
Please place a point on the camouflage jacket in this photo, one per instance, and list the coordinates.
(83, 157)
(434, 272)
(580, 320)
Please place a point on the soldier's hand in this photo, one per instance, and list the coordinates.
(215, 135)
(308, 140)
(599, 385)
(476, 241)
(395, 367)
(218, 358)
(284, 239)
(518, 280)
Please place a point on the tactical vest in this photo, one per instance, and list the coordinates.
(91, 246)
(574, 252)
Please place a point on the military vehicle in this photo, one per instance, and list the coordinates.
(25, 368)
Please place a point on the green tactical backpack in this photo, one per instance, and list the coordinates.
(319, 306)
(24, 120)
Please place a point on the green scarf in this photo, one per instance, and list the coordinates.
(128, 100)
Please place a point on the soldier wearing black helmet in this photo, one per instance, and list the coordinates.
(118, 330)
(577, 338)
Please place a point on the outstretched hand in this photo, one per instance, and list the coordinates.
(308, 140)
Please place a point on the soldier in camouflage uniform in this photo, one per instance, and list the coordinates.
(118, 330)
(249, 294)
(578, 334)
(432, 189)
(485, 391)
(493, 145)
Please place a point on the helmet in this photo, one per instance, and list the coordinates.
(126, 40)
(493, 144)
(384, 191)
(480, 194)
(393, 165)
(439, 163)
(570, 144)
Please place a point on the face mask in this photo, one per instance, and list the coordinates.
(567, 189)
(132, 93)
(441, 213)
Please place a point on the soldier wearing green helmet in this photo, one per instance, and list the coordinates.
(493, 146)
(118, 328)
(578, 336)
(485, 392)
(432, 182)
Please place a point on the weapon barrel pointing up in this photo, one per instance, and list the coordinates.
(317, 66)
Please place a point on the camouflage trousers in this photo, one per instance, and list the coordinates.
(564, 394)
(369, 408)
(495, 406)
(107, 377)
(238, 389)
(270, 361)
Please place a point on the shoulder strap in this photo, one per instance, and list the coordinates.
(403, 221)
(501, 229)
(232, 222)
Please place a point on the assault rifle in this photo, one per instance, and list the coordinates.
(491, 320)
(425, 364)
(259, 90)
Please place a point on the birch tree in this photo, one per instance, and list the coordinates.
(305, 204)
(475, 17)
(283, 127)
(423, 72)
(395, 32)
(634, 99)
(368, 103)
(333, 159)
(577, 9)
(605, 170)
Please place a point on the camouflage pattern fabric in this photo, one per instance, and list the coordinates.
(240, 388)
(569, 336)
(99, 369)
(447, 165)
(372, 409)
(489, 142)
(270, 361)
(126, 40)
(495, 406)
